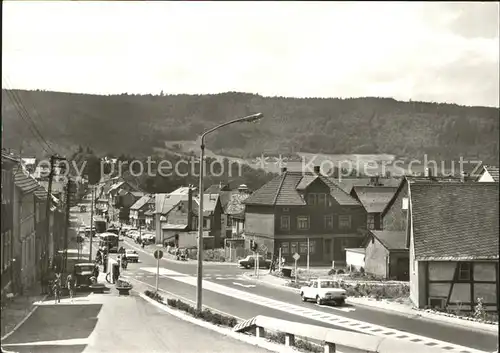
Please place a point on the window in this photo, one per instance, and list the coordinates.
(404, 204)
(229, 222)
(293, 247)
(371, 221)
(303, 247)
(345, 222)
(285, 222)
(303, 222)
(328, 222)
(285, 248)
(319, 199)
(312, 246)
(286, 210)
(464, 271)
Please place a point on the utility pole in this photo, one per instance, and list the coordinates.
(91, 220)
(68, 201)
(44, 240)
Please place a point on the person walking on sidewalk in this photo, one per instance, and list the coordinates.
(70, 283)
(56, 288)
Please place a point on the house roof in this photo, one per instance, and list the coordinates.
(455, 221)
(374, 198)
(235, 205)
(209, 202)
(115, 186)
(183, 190)
(492, 170)
(166, 202)
(25, 182)
(144, 200)
(8, 158)
(149, 213)
(348, 183)
(282, 190)
(419, 180)
(391, 240)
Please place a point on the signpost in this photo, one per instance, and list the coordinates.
(158, 254)
(296, 257)
(308, 250)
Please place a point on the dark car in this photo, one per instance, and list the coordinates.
(83, 272)
(250, 262)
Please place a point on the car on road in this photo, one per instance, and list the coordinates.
(149, 238)
(323, 291)
(250, 260)
(132, 255)
(83, 272)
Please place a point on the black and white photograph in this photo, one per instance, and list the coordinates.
(250, 176)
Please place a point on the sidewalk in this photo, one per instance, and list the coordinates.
(18, 308)
(99, 323)
(403, 309)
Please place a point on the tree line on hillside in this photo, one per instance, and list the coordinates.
(176, 172)
(137, 124)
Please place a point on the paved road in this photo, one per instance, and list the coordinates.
(226, 290)
(108, 323)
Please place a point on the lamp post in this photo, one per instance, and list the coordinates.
(199, 274)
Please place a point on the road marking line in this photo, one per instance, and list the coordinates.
(310, 313)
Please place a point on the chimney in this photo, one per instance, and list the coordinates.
(283, 170)
(190, 208)
(317, 169)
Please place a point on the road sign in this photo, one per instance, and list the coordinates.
(158, 254)
(296, 256)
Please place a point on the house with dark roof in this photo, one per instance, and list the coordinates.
(347, 184)
(451, 231)
(374, 199)
(9, 163)
(295, 207)
(488, 174)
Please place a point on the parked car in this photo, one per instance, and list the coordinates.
(249, 262)
(83, 272)
(132, 255)
(323, 291)
(149, 238)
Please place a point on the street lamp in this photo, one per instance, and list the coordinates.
(199, 275)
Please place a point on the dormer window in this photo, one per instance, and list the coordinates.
(286, 210)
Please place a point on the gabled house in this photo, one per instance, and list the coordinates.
(488, 174)
(137, 210)
(451, 231)
(212, 211)
(294, 207)
(235, 211)
(173, 215)
(374, 199)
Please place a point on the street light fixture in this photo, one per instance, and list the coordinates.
(199, 274)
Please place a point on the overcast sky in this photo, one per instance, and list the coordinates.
(442, 52)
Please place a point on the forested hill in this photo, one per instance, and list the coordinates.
(134, 124)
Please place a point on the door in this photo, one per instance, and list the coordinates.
(339, 249)
(327, 250)
(403, 269)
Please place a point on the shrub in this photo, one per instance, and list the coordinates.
(217, 255)
(205, 314)
(154, 295)
(332, 272)
(479, 311)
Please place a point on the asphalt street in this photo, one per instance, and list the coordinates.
(248, 296)
(230, 276)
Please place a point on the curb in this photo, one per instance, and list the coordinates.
(23, 320)
(252, 340)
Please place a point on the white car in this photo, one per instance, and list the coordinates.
(323, 291)
(132, 255)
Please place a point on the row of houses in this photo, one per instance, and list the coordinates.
(25, 245)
